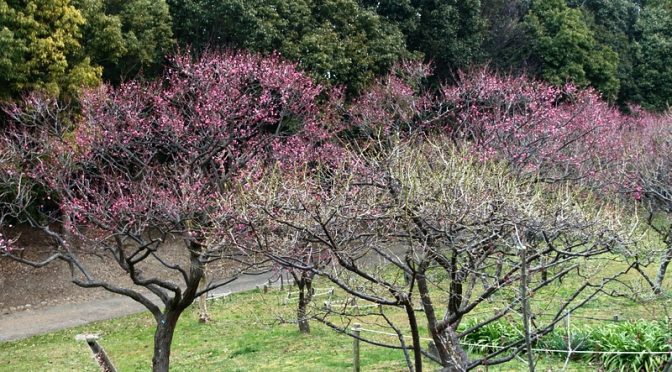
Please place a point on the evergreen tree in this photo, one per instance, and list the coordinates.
(338, 41)
(40, 48)
(565, 49)
(126, 36)
(652, 74)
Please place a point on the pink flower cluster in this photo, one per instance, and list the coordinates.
(152, 154)
(391, 104)
(559, 131)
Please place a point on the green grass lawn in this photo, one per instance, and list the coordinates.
(246, 334)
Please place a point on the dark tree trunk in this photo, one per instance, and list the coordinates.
(163, 338)
(452, 357)
(305, 296)
(413, 323)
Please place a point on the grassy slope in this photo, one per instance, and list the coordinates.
(246, 335)
(237, 340)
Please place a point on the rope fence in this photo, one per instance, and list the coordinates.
(325, 292)
(214, 296)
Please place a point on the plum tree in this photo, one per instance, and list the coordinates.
(156, 163)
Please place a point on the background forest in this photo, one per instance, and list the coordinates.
(476, 172)
(620, 47)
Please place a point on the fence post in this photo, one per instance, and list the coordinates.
(356, 330)
(568, 325)
(98, 352)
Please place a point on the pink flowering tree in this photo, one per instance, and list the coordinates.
(5, 245)
(647, 177)
(160, 163)
(429, 211)
(394, 105)
(554, 132)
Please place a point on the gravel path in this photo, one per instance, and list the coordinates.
(15, 326)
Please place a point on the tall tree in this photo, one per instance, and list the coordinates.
(613, 24)
(648, 179)
(505, 43)
(338, 41)
(155, 163)
(125, 37)
(448, 33)
(565, 49)
(652, 73)
(40, 48)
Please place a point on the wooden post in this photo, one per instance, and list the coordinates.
(356, 330)
(568, 325)
(98, 353)
(525, 302)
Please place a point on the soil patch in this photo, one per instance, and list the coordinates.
(23, 287)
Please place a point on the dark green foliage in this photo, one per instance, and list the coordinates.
(613, 24)
(448, 32)
(623, 48)
(505, 44)
(652, 74)
(126, 37)
(338, 41)
(565, 49)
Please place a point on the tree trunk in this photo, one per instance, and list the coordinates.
(453, 358)
(163, 338)
(413, 323)
(203, 315)
(305, 296)
(662, 269)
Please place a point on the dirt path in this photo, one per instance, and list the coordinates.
(18, 325)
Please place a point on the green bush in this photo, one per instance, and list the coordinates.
(640, 336)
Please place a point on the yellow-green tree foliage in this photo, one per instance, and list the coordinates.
(40, 48)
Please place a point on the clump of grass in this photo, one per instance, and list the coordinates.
(608, 340)
(640, 336)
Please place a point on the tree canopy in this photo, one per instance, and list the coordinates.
(652, 74)
(125, 37)
(40, 48)
(448, 33)
(338, 41)
(566, 49)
